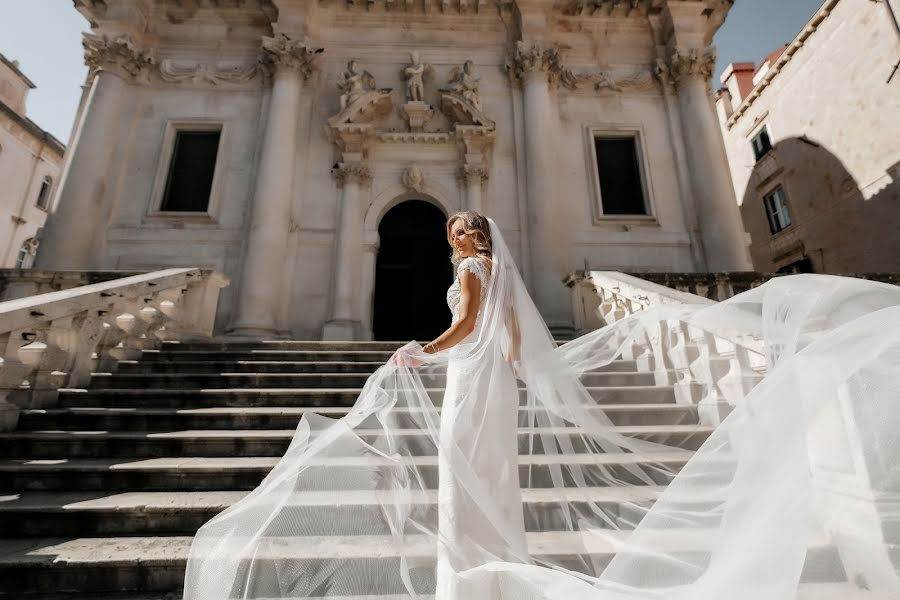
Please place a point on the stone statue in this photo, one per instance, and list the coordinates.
(464, 83)
(354, 84)
(415, 74)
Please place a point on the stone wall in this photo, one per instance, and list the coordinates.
(835, 127)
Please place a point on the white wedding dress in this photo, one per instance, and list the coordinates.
(479, 501)
(455, 480)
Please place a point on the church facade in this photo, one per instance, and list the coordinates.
(311, 150)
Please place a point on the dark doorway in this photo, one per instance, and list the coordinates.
(412, 274)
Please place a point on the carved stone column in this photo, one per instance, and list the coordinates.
(79, 215)
(261, 281)
(539, 70)
(345, 322)
(474, 177)
(721, 228)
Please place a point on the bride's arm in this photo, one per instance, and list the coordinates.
(512, 325)
(469, 299)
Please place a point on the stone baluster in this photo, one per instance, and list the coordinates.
(539, 70)
(261, 282)
(13, 372)
(720, 224)
(79, 215)
(345, 323)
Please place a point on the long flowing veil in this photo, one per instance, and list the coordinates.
(798, 487)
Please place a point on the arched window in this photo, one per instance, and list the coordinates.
(43, 200)
(27, 252)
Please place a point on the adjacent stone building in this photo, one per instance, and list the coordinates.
(813, 141)
(311, 150)
(30, 161)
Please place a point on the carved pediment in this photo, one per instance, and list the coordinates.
(462, 112)
(367, 108)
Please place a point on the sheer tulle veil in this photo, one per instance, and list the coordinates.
(798, 487)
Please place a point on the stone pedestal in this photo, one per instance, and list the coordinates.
(417, 114)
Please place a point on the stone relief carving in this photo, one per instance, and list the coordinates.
(284, 52)
(175, 71)
(118, 54)
(413, 178)
(529, 59)
(608, 81)
(415, 75)
(464, 83)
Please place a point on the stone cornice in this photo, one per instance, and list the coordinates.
(118, 54)
(355, 172)
(540, 59)
(284, 52)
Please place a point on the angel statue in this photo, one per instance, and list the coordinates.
(354, 84)
(464, 83)
(415, 74)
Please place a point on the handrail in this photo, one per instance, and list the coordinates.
(49, 341)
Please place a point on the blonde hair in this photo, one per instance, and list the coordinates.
(477, 226)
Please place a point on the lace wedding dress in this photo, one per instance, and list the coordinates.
(479, 502)
(455, 480)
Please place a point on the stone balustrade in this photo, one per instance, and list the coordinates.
(712, 369)
(19, 283)
(722, 286)
(57, 339)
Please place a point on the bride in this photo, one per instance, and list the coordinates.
(479, 466)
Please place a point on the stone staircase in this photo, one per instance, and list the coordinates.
(99, 497)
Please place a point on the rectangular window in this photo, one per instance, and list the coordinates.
(777, 210)
(761, 143)
(191, 171)
(621, 189)
(43, 199)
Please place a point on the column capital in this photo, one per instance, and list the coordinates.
(283, 52)
(353, 172)
(539, 59)
(473, 174)
(686, 63)
(117, 54)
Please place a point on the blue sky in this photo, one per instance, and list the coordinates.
(45, 37)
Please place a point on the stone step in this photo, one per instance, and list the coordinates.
(313, 345)
(319, 345)
(287, 417)
(230, 442)
(92, 514)
(212, 355)
(146, 564)
(294, 397)
(245, 473)
(805, 591)
(305, 380)
(247, 366)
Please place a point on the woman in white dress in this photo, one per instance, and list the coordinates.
(500, 492)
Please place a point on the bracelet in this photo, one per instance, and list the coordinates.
(433, 345)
